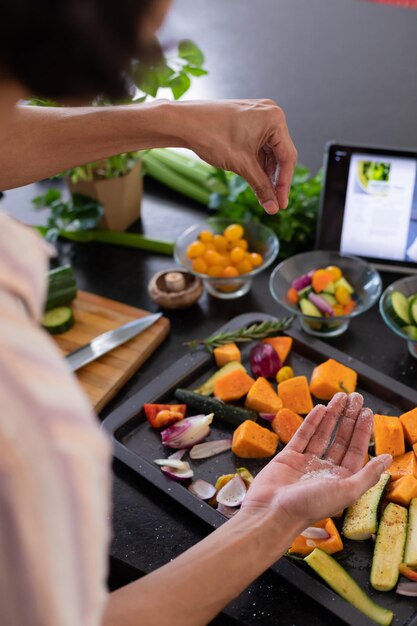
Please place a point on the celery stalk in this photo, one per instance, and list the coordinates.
(196, 170)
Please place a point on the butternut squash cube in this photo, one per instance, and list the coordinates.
(331, 545)
(388, 435)
(332, 377)
(262, 397)
(295, 395)
(281, 345)
(415, 448)
(403, 490)
(233, 386)
(409, 423)
(403, 465)
(285, 424)
(225, 354)
(252, 441)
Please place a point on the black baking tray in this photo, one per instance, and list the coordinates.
(137, 445)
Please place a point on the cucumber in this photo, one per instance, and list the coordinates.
(207, 388)
(304, 292)
(58, 320)
(398, 308)
(412, 309)
(389, 547)
(410, 555)
(361, 520)
(228, 413)
(342, 282)
(308, 308)
(411, 331)
(343, 584)
(329, 298)
(62, 287)
(330, 289)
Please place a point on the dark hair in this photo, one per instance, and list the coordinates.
(70, 48)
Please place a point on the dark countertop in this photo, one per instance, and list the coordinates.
(338, 71)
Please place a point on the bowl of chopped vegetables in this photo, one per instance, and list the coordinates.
(398, 307)
(325, 290)
(226, 255)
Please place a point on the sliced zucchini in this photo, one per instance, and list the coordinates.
(330, 289)
(410, 555)
(361, 520)
(308, 308)
(329, 298)
(58, 320)
(304, 292)
(412, 309)
(398, 308)
(232, 415)
(343, 584)
(207, 388)
(389, 547)
(411, 331)
(342, 282)
(62, 287)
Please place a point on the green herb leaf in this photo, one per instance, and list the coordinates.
(179, 85)
(189, 51)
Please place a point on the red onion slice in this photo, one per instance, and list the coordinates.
(312, 532)
(233, 493)
(202, 489)
(177, 474)
(187, 432)
(178, 454)
(407, 589)
(210, 448)
(301, 282)
(269, 417)
(172, 464)
(321, 304)
(227, 511)
(264, 360)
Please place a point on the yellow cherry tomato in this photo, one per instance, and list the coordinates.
(338, 309)
(224, 260)
(256, 259)
(244, 267)
(199, 265)
(234, 232)
(241, 243)
(342, 296)
(215, 271)
(285, 373)
(195, 249)
(336, 271)
(237, 255)
(210, 246)
(220, 242)
(206, 236)
(230, 272)
(212, 257)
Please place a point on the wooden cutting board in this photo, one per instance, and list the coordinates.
(94, 315)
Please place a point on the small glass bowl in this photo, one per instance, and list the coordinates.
(407, 286)
(365, 280)
(260, 238)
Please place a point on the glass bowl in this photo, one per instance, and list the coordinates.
(365, 280)
(260, 238)
(407, 286)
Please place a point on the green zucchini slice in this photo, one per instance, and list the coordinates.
(389, 547)
(58, 320)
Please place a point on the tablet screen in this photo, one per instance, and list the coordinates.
(370, 202)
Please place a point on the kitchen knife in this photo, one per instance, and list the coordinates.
(108, 341)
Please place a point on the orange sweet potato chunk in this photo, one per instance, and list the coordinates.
(331, 545)
(409, 423)
(233, 386)
(262, 397)
(388, 435)
(332, 377)
(295, 395)
(252, 441)
(403, 465)
(403, 490)
(281, 345)
(285, 424)
(225, 354)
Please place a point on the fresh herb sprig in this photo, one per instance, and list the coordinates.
(255, 332)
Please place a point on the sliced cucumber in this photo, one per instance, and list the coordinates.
(304, 292)
(398, 308)
(343, 584)
(232, 415)
(389, 547)
(329, 298)
(410, 555)
(331, 289)
(361, 520)
(342, 282)
(62, 287)
(58, 320)
(308, 308)
(411, 331)
(207, 388)
(412, 309)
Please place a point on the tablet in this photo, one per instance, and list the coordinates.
(369, 205)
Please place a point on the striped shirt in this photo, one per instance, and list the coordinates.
(54, 460)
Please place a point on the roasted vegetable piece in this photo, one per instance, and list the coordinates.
(233, 385)
(285, 424)
(330, 378)
(262, 397)
(295, 395)
(403, 490)
(227, 353)
(285, 373)
(281, 345)
(303, 545)
(229, 414)
(361, 520)
(161, 415)
(403, 465)
(251, 441)
(389, 547)
(408, 572)
(388, 435)
(207, 388)
(321, 280)
(342, 583)
(410, 554)
(409, 424)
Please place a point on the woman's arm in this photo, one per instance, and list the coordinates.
(249, 137)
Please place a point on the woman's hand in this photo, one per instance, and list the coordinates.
(249, 137)
(310, 479)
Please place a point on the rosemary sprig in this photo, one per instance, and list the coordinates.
(254, 332)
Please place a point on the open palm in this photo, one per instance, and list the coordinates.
(321, 470)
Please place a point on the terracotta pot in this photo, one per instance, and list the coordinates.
(120, 197)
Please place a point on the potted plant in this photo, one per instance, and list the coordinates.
(116, 182)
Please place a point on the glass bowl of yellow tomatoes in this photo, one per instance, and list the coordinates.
(226, 255)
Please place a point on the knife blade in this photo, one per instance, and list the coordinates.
(108, 341)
